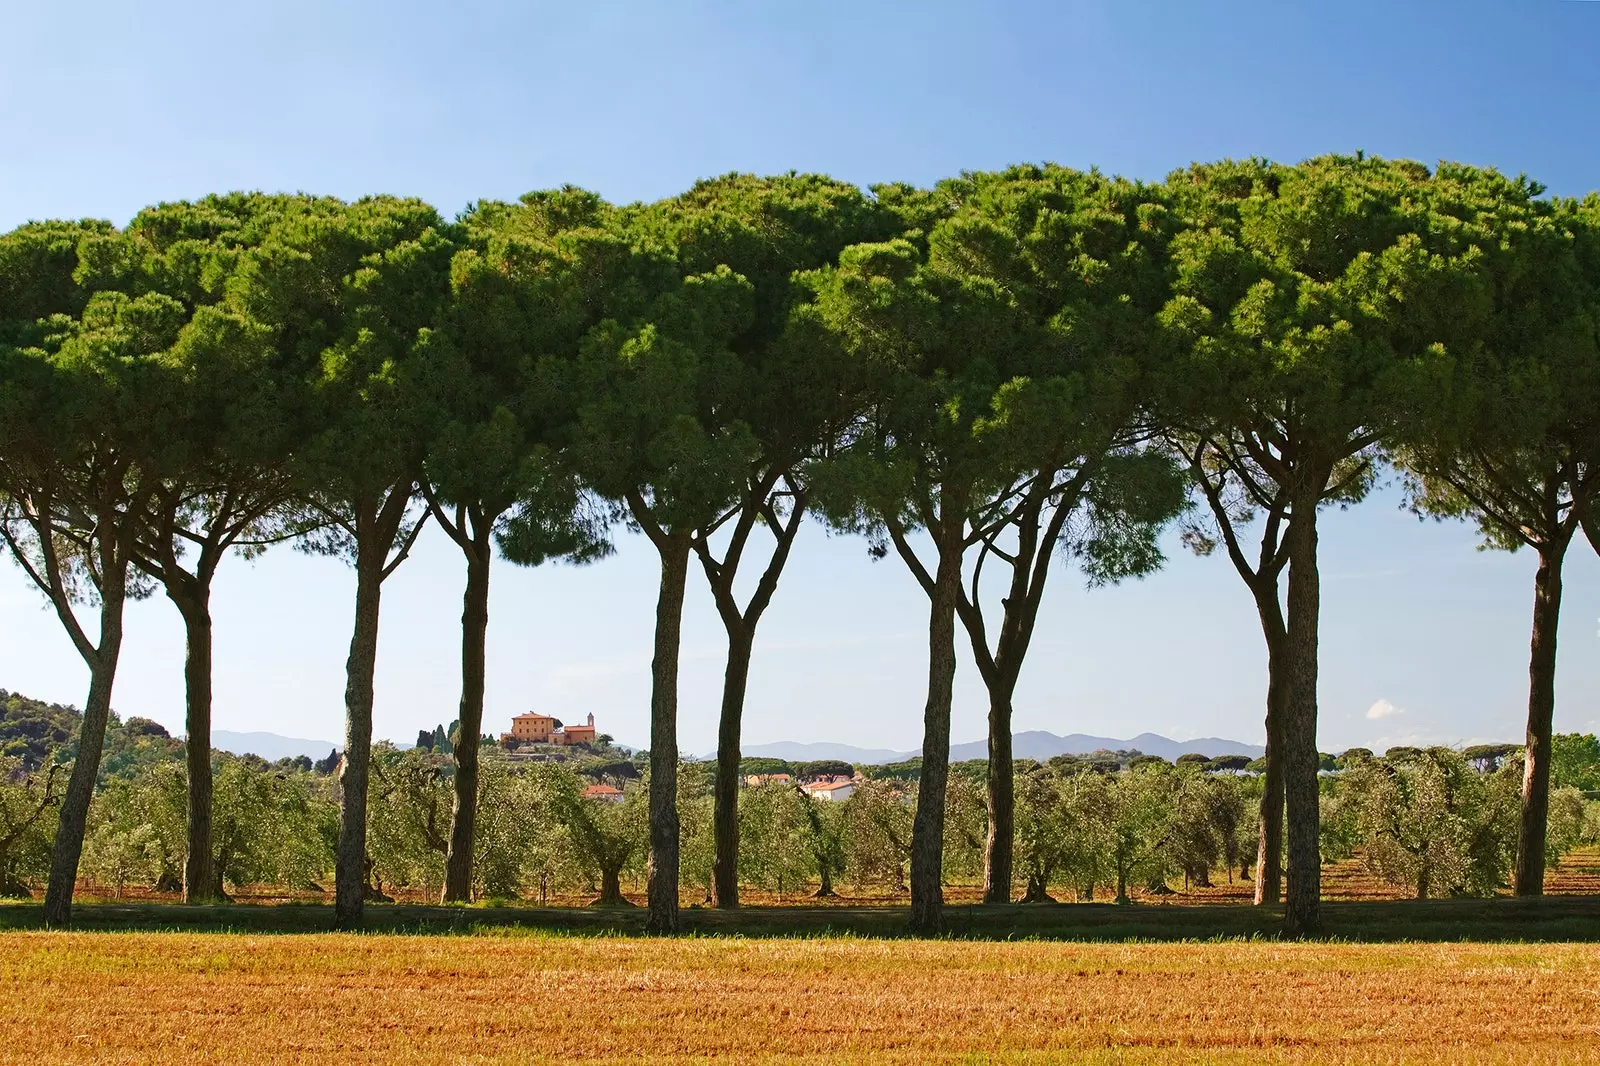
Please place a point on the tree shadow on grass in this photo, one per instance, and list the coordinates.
(1557, 918)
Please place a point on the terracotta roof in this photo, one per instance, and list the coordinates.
(827, 786)
(531, 714)
(602, 790)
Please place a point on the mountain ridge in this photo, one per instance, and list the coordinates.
(1030, 744)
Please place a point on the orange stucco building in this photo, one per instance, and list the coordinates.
(542, 729)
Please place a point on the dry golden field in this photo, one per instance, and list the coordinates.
(231, 998)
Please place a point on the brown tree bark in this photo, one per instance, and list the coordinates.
(1001, 800)
(74, 817)
(1303, 899)
(1038, 889)
(474, 642)
(661, 887)
(1528, 877)
(725, 792)
(350, 868)
(927, 827)
(1211, 464)
(111, 548)
(999, 669)
(740, 624)
(611, 889)
(1269, 835)
(201, 884)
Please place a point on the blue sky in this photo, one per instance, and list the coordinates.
(110, 106)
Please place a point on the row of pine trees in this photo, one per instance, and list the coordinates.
(985, 378)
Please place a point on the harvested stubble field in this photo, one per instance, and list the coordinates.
(155, 997)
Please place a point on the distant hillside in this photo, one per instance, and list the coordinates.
(270, 746)
(794, 751)
(1033, 744)
(1038, 744)
(35, 732)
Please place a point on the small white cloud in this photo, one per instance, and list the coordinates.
(1383, 709)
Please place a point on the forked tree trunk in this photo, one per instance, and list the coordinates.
(725, 815)
(70, 829)
(350, 869)
(474, 637)
(201, 884)
(661, 886)
(1038, 889)
(927, 828)
(1269, 831)
(1303, 900)
(1001, 802)
(1000, 669)
(1529, 874)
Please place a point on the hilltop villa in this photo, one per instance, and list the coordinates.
(531, 728)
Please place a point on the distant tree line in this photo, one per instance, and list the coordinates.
(980, 378)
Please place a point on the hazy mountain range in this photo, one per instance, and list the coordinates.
(270, 746)
(1033, 744)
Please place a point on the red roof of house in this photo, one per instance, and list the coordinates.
(531, 714)
(602, 790)
(827, 786)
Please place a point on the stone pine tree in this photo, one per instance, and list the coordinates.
(791, 387)
(520, 300)
(1238, 494)
(345, 295)
(1082, 256)
(658, 432)
(82, 395)
(937, 342)
(224, 485)
(1507, 448)
(1005, 337)
(1307, 314)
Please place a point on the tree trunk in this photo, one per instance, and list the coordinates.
(200, 883)
(611, 889)
(725, 818)
(1038, 889)
(927, 829)
(1529, 875)
(1303, 900)
(661, 887)
(350, 870)
(464, 808)
(1001, 796)
(1269, 835)
(68, 848)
